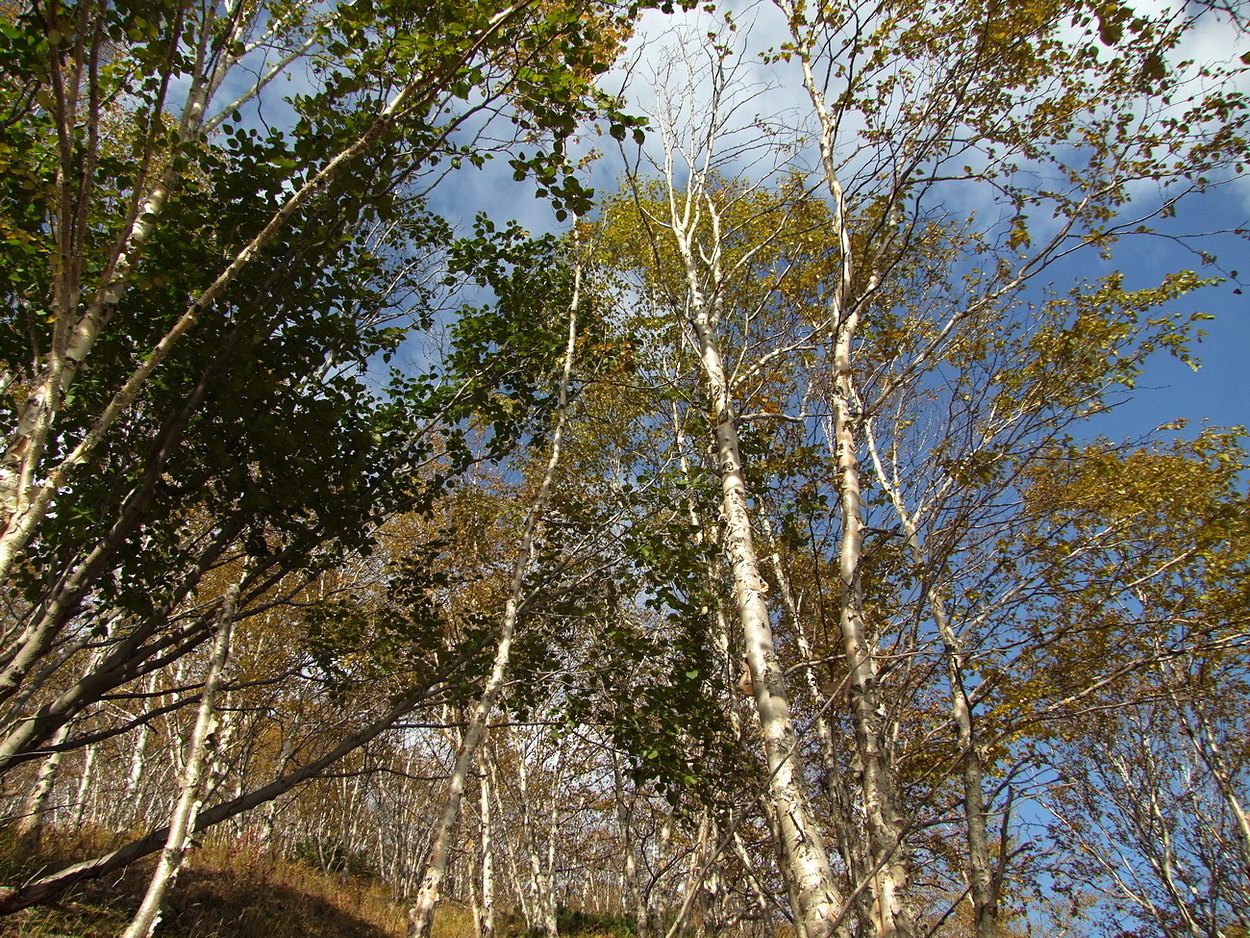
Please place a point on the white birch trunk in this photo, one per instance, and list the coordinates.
(982, 886)
(84, 789)
(127, 808)
(887, 855)
(200, 752)
(29, 828)
(487, 904)
(836, 792)
(802, 845)
(693, 220)
(546, 878)
(536, 916)
(421, 914)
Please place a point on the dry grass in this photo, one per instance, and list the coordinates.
(221, 893)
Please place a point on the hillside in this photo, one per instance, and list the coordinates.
(224, 894)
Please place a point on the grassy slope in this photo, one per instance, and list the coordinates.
(219, 894)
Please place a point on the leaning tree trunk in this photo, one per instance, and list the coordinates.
(182, 821)
(28, 484)
(30, 825)
(421, 914)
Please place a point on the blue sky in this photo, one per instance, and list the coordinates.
(1219, 391)
(1169, 389)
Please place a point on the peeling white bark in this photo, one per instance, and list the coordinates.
(421, 914)
(201, 749)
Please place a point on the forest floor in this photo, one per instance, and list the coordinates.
(219, 894)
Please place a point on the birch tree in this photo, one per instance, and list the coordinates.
(422, 912)
(1151, 778)
(251, 238)
(187, 292)
(969, 99)
(840, 446)
(692, 258)
(929, 342)
(200, 750)
(85, 70)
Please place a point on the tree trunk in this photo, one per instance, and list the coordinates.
(30, 825)
(127, 809)
(14, 899)
(487, 904)
(540, 916)
(981, 878)
(200, 753)
(547, 872)
(420, 915)
(836, 791)
(887, 856)
(84, 789)
(634, 898)
(802, 845)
